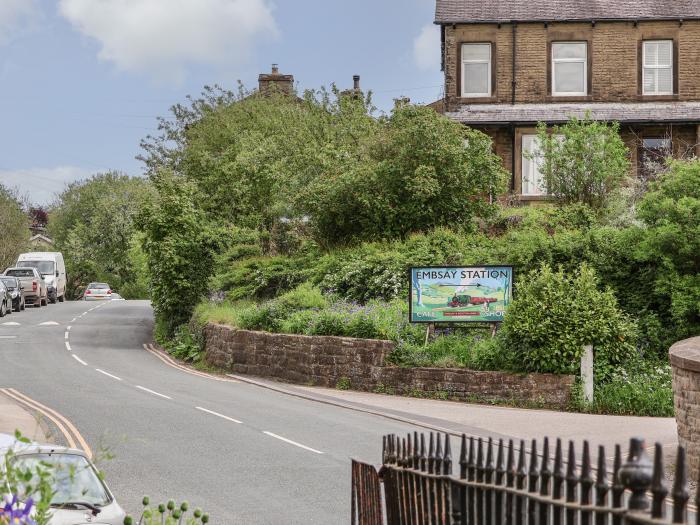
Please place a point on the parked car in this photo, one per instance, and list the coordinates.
(52, 269)
(97, 291)
(35, 289)
(16, 292)
(5, 300)
(81, 495)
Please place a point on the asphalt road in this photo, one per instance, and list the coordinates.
(271, 458)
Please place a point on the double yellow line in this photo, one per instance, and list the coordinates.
(73, 437)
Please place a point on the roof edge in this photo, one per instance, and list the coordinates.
(564, 20)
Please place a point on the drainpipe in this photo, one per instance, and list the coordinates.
(512, 101)
(514, 28)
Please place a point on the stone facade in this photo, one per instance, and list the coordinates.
(614, 75)
(685, 360)
(614, 59)
(324, 361)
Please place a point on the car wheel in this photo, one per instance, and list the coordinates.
(22, 306)
(2, 309)
(37, 303)
(62, 298)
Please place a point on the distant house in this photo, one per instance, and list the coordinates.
(40, 242)
(509, 64)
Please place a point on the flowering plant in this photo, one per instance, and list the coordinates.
(168, 514)
(15, 512)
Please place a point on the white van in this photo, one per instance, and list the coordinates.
(52, 269)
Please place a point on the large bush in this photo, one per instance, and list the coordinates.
(555, 314)
(583, 161)
(421, 171)
(179, 246)
(14, 225)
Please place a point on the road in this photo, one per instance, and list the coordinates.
(245, 453)
(271, 458)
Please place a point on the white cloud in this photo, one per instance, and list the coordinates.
(163, 37)
(426, 47)
(41, 185)
(15, 15)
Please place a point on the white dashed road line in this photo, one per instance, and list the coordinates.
(79, 360)
(68, 328)
(73, 320)
(68, 346)
(11, 323)
(292, 442)
(108, 374)
(219, 415)
(8, 337)
(65, 335)
(152, 392)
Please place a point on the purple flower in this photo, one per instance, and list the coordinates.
(16, 513)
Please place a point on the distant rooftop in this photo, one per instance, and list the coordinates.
(472, 11)
(498, 114)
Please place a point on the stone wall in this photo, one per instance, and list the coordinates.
(324, 361)
(685, 360)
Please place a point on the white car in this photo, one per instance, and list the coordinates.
(97, 291)
(81, 496)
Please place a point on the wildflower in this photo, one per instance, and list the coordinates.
(16, 513)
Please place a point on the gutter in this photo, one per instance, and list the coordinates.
(472, 21)
(509, 123)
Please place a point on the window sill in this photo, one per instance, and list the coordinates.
(478, 100)
(569, 98)
(659, 98)
(534, 198)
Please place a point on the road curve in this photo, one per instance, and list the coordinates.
(244, 453)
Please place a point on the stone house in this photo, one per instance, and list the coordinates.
(509, 64)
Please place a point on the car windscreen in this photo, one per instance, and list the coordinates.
(44, 267)
(10, 282)
(98, 286)
(17, 272)
(72, 477)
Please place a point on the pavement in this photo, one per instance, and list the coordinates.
(246, 450)
(15, 417)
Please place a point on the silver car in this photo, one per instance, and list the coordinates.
(81, 496)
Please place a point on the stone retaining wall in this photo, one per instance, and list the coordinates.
(685, 361)
(324, 361)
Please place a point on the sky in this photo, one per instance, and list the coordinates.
(83, 81)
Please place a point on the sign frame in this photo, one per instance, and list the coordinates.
(465, 320)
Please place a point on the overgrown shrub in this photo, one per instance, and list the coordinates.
(583, 161)
(554, 315)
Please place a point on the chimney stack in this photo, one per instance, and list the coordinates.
(356, 82)
(275, 82)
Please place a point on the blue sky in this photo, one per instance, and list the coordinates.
(82, 81)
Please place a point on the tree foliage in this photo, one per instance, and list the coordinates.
(14, 225)
(179, 245)
(583, 161)
(555, 314)
(420, 170)
(92, 223)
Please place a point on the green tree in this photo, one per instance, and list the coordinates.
(419, 171)
(671, 211)
(179, 244)
(92, 223)
(583, 161)
(14, 225)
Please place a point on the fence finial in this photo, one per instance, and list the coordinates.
(447, 457)
(636, 475)
(680, 488)
(658, 487)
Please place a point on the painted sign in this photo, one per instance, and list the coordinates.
(460, 294)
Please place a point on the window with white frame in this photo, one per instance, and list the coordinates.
(657, 67)
(476, 70)
(533, 182)
(569, 68)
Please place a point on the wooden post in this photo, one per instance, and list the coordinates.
(494, 327)
(429, 330)
(587, 373)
